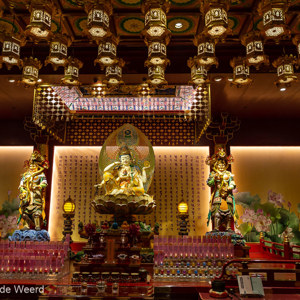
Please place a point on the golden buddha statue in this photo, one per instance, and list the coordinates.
(123, 176)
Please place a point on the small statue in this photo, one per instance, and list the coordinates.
(123, 176)
(32, 185)
(222, 203)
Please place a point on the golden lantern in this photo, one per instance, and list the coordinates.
(99, 12)
(205, 51)
(156, 75)
(72, 71)
(216, 19)
(274, 21)
(157, 53)
(58, 51)
(183, 208)
(107, 52)
(31, 68)
(285, 70)
(254, 49)
(155, 17)
(39, 27)
(113, 73)
(198, 72)
(11, 51)
(241, 72)
(69, 206)
(69, 213)
(99, 89)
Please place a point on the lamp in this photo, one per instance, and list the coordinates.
(273, 12)
(285, 70)
(58, 51)
(113, 73)
(11, 51)
(156, 75)
(99, 89)
(157, 37)
(39, 27)
(254, 49)
(198, 72)
(155, 17)
(72, 71)
(157, 53)
(31, 68)
(205, 51)
(183, 216)
(241, 72)
(69, 213)
(107, 52)
(99, 12)
(216, 20)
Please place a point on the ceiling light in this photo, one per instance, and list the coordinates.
(31, 71)
(205, 51)
(241, 73)
(218, 78)
(282, 89)
(97, 24)
(113, 73)
(274, 20)
(39, 27)
(39, 80)
(107, 52)
(198, 72)
(254, 49)
(58, 51)
(72, 71)
(216, 19)
(11, 51)
(11, 80)
(285, 70)
(178, 25)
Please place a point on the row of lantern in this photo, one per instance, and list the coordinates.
(156, 35)
(39, 28)
(216, 28)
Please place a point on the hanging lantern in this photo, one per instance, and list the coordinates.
(72, 71)
(198, 72)
(157, 53)
(107, 52)
(155, 17)
(156, 75)
(254, 49)
(285, 70)
(216, 20)
(241, 72)
(113, 73)
(144, 89)
(99, 89)
(274, 22)
(58, 51)
(205, 51)
(31, 68)
(10, 52)
(39, 27)
(99, 12)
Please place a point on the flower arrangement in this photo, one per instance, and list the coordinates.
(272, 218)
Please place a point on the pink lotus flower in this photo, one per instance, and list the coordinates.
(275, 198)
